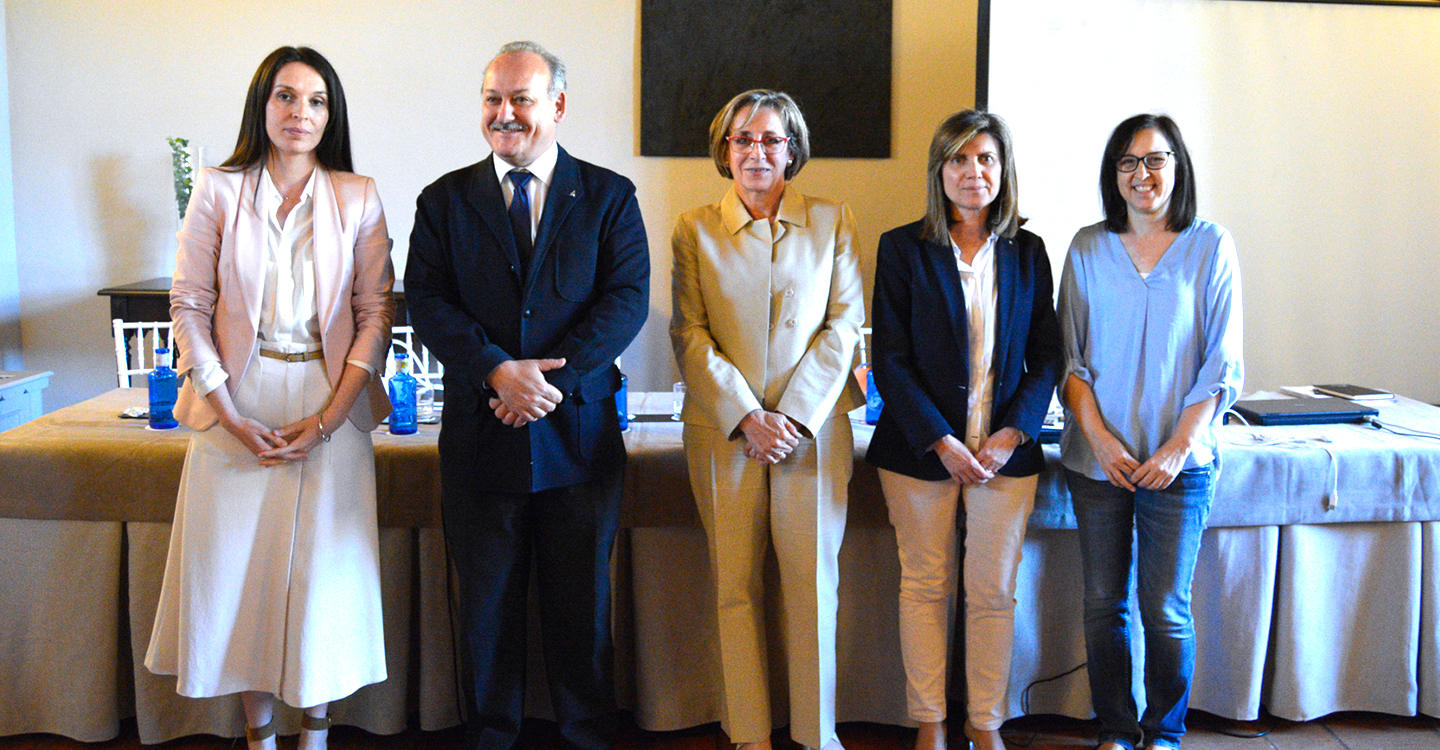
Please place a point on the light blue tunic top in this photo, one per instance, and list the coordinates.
(1150, 347)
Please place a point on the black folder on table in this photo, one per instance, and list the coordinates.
(1291, 411)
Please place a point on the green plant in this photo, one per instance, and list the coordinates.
(184, 169)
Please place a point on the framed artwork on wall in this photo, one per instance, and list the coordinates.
(832, 56)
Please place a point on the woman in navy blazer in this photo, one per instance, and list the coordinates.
(967, 353)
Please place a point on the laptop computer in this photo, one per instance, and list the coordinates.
(1292, 411)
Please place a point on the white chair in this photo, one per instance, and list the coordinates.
(422, 365)
(137, 357)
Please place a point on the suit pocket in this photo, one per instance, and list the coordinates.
(599, 384)
(597, 430)
(568, 425)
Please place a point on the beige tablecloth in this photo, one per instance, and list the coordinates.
(86, 502)
(83, 463)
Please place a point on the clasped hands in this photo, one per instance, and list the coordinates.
(978, 468)
(1124, 471)
(522, 393)
(770, 436)
(288, 444)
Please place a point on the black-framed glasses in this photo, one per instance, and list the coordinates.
(1153, 160)
(770, 144)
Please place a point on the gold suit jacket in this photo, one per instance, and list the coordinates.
(766, 318)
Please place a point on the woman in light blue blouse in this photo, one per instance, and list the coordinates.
(1150, 310)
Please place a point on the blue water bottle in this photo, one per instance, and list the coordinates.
(622, 402)
(873, 402)
(402, 397)
(162, 392)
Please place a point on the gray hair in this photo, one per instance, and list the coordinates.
(557, 68)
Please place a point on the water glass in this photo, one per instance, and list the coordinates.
(677, 394)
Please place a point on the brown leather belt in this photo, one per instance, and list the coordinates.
(295, 357)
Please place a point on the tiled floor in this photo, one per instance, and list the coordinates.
(1349, 731)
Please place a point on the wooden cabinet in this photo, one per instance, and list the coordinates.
(20, 397)
(149, 301)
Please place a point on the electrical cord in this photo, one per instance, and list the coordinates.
(1401, 431)
(1332, 498)
(1035, 733)
(1025, 694)
(1256, 439)
(1025, 703)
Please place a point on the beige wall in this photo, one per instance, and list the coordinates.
(95, 88)
(1322, 162)
(11, 357)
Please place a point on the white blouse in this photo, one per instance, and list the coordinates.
(289, 319)
(977, 282)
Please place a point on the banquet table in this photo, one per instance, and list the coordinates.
(1316, 590)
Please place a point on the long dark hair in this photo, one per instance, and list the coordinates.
(1182, 199)
(252, 147)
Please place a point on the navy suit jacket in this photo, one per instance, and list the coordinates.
(920, 348)
(585, 297)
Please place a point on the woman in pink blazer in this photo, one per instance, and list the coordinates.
(282, 310)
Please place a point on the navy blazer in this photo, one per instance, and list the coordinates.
(920, 350)
(585, 297)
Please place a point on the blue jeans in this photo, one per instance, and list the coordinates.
(1160, 530)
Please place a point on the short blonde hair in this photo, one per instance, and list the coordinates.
(778, 102)
(952, 135)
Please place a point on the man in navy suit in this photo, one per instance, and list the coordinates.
(528, 275)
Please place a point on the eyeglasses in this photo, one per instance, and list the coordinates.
(1153, 160)
(771, 144)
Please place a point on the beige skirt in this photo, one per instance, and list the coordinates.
(272, 581)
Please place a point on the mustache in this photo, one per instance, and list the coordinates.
(507, 127)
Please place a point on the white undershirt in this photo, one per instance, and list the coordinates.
(977, 281)
(542, 173)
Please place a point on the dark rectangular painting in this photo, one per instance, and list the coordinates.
(832, 56)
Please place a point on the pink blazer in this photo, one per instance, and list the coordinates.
(215, 299)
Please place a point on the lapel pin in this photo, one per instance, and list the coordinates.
(572, 193)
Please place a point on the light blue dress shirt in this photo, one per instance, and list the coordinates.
(1150, 347)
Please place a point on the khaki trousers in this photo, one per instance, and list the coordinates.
(923, 514)
(799, 506)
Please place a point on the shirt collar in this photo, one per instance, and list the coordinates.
(270, 195)
(542, 169)
(981, 261)
(736, 217)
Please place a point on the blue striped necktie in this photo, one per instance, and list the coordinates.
(520, 218)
